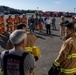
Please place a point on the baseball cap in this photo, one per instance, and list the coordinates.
(20, 26)
(70, 25)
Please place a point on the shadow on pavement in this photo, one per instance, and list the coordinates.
(44, 34)
(40, 37)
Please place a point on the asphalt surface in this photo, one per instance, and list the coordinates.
(49, 46)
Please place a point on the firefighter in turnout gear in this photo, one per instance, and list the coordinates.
(67, 54)
(9, 22)
(62, 28)
(16, 21)
(40, 24)
(2, 16)
(1, 24)
(73, 19)
(24, 19)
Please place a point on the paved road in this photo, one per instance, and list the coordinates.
(49, 46)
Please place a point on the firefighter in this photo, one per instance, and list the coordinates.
(24, 19)
(62, 28)
(75, 26)
(2, 17)
(73, 19)
(40, 24)
(66, 59)
(32, 24)
(16, 21)
(0, 25)
(9, 22)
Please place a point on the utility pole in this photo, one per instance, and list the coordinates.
(74, 10)
(37, 11)
(37, 8)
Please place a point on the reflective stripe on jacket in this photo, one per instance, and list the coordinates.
(71, 56)
(68, 71)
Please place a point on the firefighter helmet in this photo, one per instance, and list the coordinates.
(73, 17)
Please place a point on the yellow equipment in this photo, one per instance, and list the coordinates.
(34, 50)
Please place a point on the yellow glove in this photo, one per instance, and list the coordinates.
(36, 51)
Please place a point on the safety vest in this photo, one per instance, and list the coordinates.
(13, 63)
(67, 71)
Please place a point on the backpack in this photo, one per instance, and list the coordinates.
(13, 63)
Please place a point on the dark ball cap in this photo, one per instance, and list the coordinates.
(69, 25)
(20, 26)
(65, 22)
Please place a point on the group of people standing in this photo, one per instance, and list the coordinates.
(20, 42)
(10, 23)
(35, 23)
(62, 26)
(39, 23)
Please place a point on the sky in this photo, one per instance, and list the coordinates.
(44, 5)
